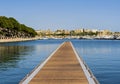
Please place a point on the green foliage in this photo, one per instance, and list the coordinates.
(72, 33)
(15, 23)
(88, 33)
(1, 32)
(5, 22)
(12, 24)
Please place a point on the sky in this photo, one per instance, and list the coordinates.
(64, 14)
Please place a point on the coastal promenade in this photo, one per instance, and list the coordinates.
(63, 66)
(17, 39)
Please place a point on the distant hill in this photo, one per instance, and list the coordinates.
(11, 28)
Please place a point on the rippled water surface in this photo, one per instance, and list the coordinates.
(102, 57)
(18, 58)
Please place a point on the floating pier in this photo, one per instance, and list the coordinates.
(63, 66)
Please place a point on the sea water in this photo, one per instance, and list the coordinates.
(17, 59)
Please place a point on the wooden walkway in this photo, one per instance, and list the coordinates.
(62, 68)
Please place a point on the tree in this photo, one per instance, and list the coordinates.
(72, 33)
(12, 27)
(15, 23)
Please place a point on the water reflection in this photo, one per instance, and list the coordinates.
(17, 59)
(9, 55)
(95, 50)
(103, 58)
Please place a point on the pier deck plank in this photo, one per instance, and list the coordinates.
(62, 68)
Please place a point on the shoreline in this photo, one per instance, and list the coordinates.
(37, 38)
(17, 39)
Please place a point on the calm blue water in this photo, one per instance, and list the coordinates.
(102, 57)
(18, 58)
